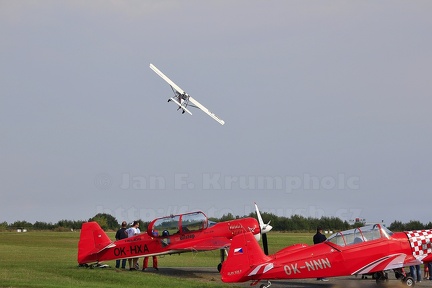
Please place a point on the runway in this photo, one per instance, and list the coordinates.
(206, 274)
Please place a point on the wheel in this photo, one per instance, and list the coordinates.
(409, 281)
(219, 267)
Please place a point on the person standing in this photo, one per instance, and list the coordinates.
(155, 263)
(415, 273)
(429, 265)
(319, 238)
(155, 260)
(132, 231)
(121, 234)
(426, 270)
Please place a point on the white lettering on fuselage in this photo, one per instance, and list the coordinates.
(291, 269)
(311, 265)
(235, 227)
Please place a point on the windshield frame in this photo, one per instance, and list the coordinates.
(174, 224)
(360, 235)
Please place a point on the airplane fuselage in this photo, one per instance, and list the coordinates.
(346, 253)
(210, 238)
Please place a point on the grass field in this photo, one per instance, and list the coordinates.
(48, 259)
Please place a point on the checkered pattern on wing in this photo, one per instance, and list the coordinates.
(420, 242)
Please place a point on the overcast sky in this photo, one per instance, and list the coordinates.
(327, 107)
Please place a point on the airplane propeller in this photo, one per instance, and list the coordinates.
(264, 228)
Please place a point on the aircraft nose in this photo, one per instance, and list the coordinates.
(266, 228)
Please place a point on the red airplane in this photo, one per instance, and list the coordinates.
(167, 235)
(365, 250)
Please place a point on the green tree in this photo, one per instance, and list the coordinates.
(43, 226)
(3, 226)
(21, 225)
(101, 221)
(227, 217)
(396, 226)
(106, 221)
(414, 225)
(300, 223)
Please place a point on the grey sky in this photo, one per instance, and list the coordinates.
(326, 103)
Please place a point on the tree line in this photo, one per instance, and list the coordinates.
(295, 223)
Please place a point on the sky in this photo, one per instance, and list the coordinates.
(327, 109)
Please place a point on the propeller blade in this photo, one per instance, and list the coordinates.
(265, 244)
(264, 227)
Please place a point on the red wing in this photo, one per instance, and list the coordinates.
(202, 244)
(384, 263)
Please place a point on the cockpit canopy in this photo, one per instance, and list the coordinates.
(359, 235)
(184, 223)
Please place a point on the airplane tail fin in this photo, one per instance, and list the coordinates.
(245, 259)
(92, 240)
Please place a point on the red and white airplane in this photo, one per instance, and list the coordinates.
(190, 232)
(365, 250)
(182, 99)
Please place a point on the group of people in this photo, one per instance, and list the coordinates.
(124, 233)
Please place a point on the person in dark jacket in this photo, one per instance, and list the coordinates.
(319, 238)
(121, 234)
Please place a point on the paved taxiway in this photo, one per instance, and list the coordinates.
(211, 275)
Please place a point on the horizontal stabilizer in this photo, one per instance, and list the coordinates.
(181, 106)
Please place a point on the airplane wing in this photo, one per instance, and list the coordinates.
(385, 263)
(205, 110)
(164, 77)
(203, 244)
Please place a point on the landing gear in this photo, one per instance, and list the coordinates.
(266, 285)
(95, 265)
(222, 257)
(406, 279)
(381, 278)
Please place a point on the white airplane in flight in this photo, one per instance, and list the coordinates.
(182, 99)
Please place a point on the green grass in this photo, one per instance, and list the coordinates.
(48, 259)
